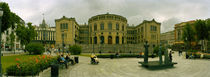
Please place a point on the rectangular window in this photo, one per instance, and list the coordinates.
(66, 25)
(123, 28)
(95, 27)
(117, 26)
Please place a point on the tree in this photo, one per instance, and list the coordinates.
(75, 49)
(188, 35)
(208, 27)
(9, 19)
(25, 34)
(35, 48)
(201, 31)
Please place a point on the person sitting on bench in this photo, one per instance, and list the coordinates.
(69, 59)
(63, 60)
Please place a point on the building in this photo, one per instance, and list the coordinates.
(84, 34)
(6, 41)
(179, 33)
(45, 35)
(149, 31)
(67, 32)
(167, 38)
(107, 33)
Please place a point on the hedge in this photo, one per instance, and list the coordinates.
(123, 56)
(30, 67)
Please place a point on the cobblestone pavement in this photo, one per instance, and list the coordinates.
(129, 67)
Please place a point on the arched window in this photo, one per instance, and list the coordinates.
(102, 26)
(117, 40)
(110, 26)
(102, 39)
(117, 26)
(95, 27)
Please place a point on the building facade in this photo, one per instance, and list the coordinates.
(107, 33)
(67, 32)
(45, 35)
(167, 38)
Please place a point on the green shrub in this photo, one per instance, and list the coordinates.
(156, 50)
(30, 67)
(75, 49)
(206, 56)
(121, 56)
(35, 48)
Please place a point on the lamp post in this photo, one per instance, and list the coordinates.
(1, 14)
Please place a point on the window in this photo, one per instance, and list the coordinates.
(95, 40)
(153, 28)
(64, 26)
(95, 27)
(110, 26)
(102, 40)
(117, 26)
(117, 40)
(123, 28)
(102, 26)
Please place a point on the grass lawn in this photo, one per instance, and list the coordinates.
(11, 60)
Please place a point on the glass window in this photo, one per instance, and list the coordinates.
(123, 28)
(95, 27)
(66, 25)
(117, 40)
(102, 26)
(110, 26)
(117, 26)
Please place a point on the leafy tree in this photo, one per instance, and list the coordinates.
(34, 48)
(208, 27)
(26, 34)
(156, 50)
(201, 31)
(9, 19)
(188, 35)
(75, 49)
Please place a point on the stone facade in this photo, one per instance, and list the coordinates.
(67, 31)
(167, 38)
(107, 33)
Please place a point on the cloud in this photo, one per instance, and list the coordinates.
(168, 12)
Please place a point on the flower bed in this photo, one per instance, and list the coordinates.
(31, 66)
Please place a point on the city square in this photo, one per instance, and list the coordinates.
(104, 38)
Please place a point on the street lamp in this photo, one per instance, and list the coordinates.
(1, 14)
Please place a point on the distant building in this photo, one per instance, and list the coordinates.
(167, 38)
(45, 35)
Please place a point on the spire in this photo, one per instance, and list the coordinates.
(43, 24)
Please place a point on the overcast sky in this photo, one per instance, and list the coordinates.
(167, 12)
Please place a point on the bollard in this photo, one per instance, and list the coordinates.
(76, 59)
(54, 70)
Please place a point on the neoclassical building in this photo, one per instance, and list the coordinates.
(45, 35)
(107, 29)
(106, 33)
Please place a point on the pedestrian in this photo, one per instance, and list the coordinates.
(170, 56)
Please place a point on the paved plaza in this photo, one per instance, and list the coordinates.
(129, 67)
